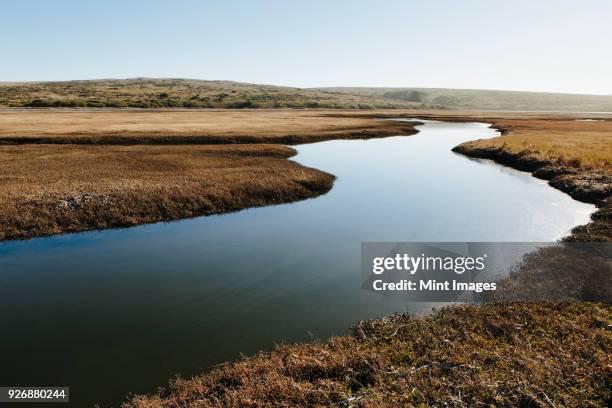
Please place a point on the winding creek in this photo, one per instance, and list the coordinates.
(121, 311)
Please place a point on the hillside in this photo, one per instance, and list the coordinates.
(192, 93)
(183, 93)
(484, 99)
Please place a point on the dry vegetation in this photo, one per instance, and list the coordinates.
(180, 93)
(577, 143)
(191, 93)
(49, 189)
(190, 126)
(527, 355)
(579, 271)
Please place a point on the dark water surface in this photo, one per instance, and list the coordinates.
(113, 312)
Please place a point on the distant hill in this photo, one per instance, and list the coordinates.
(191, 93)
(183, 93)
(484, 99)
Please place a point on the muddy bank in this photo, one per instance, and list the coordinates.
(586, 185)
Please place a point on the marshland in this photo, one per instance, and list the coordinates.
(173, 238)
(200, 292)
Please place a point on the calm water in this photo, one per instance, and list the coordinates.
(113, 312)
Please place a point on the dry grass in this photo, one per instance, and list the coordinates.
(189, 126)
(49, 189)
(570, 271)
(580, 143)
(528, 355)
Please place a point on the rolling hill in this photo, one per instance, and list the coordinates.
(485, 99)
(180, 93)
(191, 93)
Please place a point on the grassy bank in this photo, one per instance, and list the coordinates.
(190, 126)
(50, 189)
(529, 355)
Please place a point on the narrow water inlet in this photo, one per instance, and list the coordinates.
(121, 311)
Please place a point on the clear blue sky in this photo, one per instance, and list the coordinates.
(562, 46)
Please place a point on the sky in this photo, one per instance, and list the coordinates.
(552, 46)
